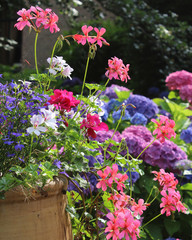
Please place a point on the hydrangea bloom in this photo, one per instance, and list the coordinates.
(185, 92)
(186, 135)
(112, 105)
(143, 105)
(164, 155)
(178, 79)
(110, 92)
(117, 114)
(138, 119)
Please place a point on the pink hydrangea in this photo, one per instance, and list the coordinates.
(185, 93)
(178, 79)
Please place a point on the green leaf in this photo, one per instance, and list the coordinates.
(122, 95)
(95, 86)
(187, 186)
(171, 226)
(106, 202)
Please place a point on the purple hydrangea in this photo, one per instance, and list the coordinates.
(186, 135)
(164, 155)
(138, 119)
(142, 105)
(110, 91)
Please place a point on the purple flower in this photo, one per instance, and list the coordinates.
(57, 163)
(110, 91)
(19, 147)
(186, 135)
(142, 105)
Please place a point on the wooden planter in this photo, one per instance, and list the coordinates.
(35, 215)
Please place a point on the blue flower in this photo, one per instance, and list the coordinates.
(112, 104)
(139, 119)
(19, 147)
(57, 163)
(142, 105)
(117, 114)
(186, 135)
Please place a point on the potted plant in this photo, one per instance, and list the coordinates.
(51, 137)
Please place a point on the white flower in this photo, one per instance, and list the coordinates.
(49, 118)
(36, 120)
(66, 72)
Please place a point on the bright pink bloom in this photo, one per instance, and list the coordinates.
(112, 227)
(99, 39)
(92, 124)
(103, 182)
(63, 100)
(164, 128)
(43, 19)
(83, 38)
(51, 24)
(138, 208)
(24, 19)
(166, 180)
(117, 69)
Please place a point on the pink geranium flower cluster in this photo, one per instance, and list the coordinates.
(164, 128)
(182, 81)
(171, 198)
(98, 39)
(92, 124)
(110, 176)
(117, 70)
(63, 100)
(37, 18)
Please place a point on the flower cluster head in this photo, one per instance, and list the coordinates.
(143, 105)
(63, 100)
(182, 81)
(37, 18)
(92, 124)
(98, 39)
(59, 65)
(164, 128)
(171, 198)
(186, 135)
(110, 92)
(110, 176)
(117, 70)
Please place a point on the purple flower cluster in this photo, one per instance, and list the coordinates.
(186, 135)
(110, 91)
(143, 105)
(18, 104)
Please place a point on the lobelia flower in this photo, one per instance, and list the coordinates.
(36, 121)
(116, 69)
(164, 128)
(92, 124)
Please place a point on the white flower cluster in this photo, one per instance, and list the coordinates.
(59, 65)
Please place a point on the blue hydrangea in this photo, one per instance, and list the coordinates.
(117, 114)
(186, 135)
(112, 105)
(142, 105)
(139, 119)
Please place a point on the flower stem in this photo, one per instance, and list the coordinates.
(146, 148)
(35, 52)
(151, 220)
(85, 75)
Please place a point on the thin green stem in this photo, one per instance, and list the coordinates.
(31, 147)
(85, 75)
(35, 52)
(151, 220)
(146, 148)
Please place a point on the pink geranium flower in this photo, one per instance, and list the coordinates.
(24, 19)
(63, 100)
(92, 124)
(83, 38)
(99, 39)
(164, 128)
(117, 69)
(138, 208)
